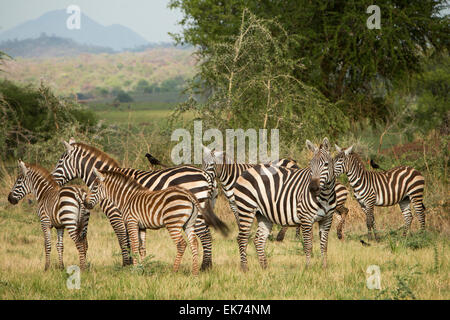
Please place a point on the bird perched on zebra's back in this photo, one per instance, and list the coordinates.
(153, 161)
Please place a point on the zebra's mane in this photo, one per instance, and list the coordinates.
(42, 172)
(98, 153)
(123, 179)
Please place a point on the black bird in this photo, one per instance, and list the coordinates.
(365, 244)
(374, 165)
(154, 161)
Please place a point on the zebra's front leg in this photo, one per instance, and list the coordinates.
(307, 240)
(117, 223)
(133, 230)
(46, 227)
(263, 231)
(324, 229)
(60, 246)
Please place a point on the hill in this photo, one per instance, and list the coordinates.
(103, 73)
(53, 23)
(46, 46)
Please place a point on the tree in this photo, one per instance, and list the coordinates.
(345, 60)
(246, 82)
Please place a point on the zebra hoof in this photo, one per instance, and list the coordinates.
(206, 265)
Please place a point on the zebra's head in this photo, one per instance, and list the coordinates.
(213, 161)
(322, 171)
(22, 185)
(65, 169)
(341, 160)
(97, 191)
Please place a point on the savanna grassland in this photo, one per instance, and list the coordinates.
(415, 267)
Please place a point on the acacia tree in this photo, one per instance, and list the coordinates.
(345, 60)
(246, 81)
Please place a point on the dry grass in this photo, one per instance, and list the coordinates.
(22, 264)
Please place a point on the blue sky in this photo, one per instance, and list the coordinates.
(150, 18)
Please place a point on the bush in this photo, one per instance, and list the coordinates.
(31, 115)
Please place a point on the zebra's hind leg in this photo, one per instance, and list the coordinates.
(45, 225)
(245, 224)
(407, 215)
(177, 237)
(341, 217)
(194, 249)
(281, 234)
(204, 234)
(419, 208)
(60, 246)
(263, 231)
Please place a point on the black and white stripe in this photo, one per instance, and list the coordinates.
(58, 207)
(80, 159)
(401, 185)
(221, 167)
(174, 208)
(288, 197)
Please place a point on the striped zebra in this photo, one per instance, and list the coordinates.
(58, 207)
(223, 168)
(341, 214)
(79, 159)
(403, 185)
(174, 208)
(287, 197)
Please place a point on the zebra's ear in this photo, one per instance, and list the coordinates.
(98, 174)
(326, 144)
(68, 146)
(311, 146)
(72, 140)
(338, 149)
(348, 150)
(23, 167)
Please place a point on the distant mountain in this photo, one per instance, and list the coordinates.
(53, 23)
(47, 47)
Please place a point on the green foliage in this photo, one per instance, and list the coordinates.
(345, 60)
(246, 82)
(123, 96)
(30, 115)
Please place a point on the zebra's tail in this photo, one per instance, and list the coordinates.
(212, 220)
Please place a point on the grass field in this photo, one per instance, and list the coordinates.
(412, 268)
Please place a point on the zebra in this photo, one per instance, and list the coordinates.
(403, 185)
(220, 166)
(79, 159)
(223, 168)
(288, 197)
(58, 207)
(341, 214)
(174, 208)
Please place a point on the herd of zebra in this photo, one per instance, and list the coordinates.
(182, 198)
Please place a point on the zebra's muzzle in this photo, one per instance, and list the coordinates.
(88, 205)
(314, 187)
(11, 199)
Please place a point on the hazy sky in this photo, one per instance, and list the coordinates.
(150, 18)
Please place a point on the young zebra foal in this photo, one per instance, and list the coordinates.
(174, 208)
(58, 207)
